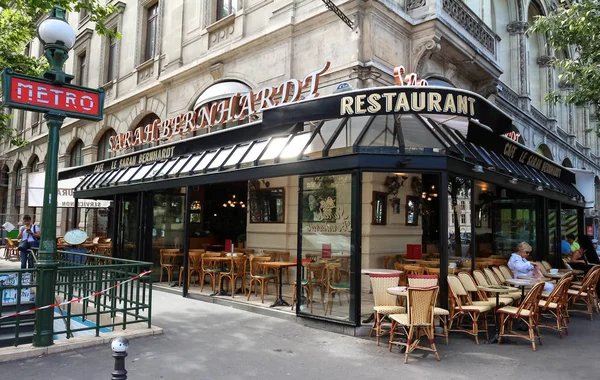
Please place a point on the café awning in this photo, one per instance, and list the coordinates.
(35, 193)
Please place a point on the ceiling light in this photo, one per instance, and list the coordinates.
(478, 169)
(540, 188)
(514, 181)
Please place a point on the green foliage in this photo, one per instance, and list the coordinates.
(575, 25)
(18, 26)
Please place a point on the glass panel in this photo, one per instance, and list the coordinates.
(326, 207)
(417, 136)
(167, 223)
(381, 132)
(110, 178)
(256, 150)
(165, 169)
(322, 137)
(90, 181)
(190, 165)
(220, 158)
(237, 155)
(128, 228)
(155, 170)
(178, 166)
(515, 222)
(142, 172)
(348, 135)
(205, 160)
(114, 179)
(459, 218)
(128, 174)
(485, 194)
(103, 178)
(294, 148)
(266, 205)
(275, 147)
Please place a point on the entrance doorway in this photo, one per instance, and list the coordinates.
(127, 239)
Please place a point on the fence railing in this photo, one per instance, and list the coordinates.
(109, 297)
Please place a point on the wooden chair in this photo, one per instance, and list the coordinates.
(11, 250)
(400, 267)
(556, 304)
(280, 256)
(236, 270)
(384, 303)
(419, 319)
(211, 268)
(315, 278)
(426, 281)
(387, 260)
(461, 309)
(259, 277)
(584, 295)
(245, 251)
(334, 285)
(414, 269)
(313, 257)
(169, 261)
(95, 240)
(526, 312)
(194, 266)
(432, 271)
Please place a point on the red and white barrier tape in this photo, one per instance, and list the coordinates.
(78, 299)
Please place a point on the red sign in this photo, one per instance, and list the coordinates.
(590, 231)
(41, 95)
(326, 251)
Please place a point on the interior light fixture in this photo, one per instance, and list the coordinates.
(514, 181)
(478, 169)
(540, 188)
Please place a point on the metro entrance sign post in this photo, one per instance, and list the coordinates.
(57, 99)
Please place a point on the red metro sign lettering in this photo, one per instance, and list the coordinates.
(237, 107)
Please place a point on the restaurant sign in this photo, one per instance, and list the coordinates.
(236, 107)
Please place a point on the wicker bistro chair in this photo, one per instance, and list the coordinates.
(315, 278)
(236, 270)
(419, 319)
(169, 261)
(482, 280)
(556, 305)
(334, 285)
(461, 309)
(586, 294)
(506, 272)
(258, 276)
(211, 268)
(499, 274)
(546, 265)
(194, 266)
(527, 312)
(469, 284)
(425, 281)
(492, 278)
(384, 303)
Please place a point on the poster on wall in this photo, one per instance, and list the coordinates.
(319, 205)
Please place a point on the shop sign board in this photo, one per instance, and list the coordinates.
(10, 296)
(42, 95)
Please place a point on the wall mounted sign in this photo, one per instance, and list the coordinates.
(41, 95)
(237, 107)
(514, 136)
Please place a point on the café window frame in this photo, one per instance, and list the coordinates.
(257, 199)
(225, 8)
(150, 31)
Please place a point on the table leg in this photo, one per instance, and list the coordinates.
(494, 339)
(280, 301)
(220, 291)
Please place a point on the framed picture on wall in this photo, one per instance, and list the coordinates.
(379, 208)
(412, 210)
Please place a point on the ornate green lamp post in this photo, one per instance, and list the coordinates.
(58, 38)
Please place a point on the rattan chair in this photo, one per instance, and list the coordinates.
(194, 266)
(315, 278)
(585, 294)
(210, 268)
(334, 285)
(506, 272)
(384, 303)
(461, 309)
(526, 312)
(556, 305)
(469, 284)
(426, 281)
(541, 267)
(546, 265)
(258, 276)
(482, 280)
(419, 319)
(492, 278)
(498, 274)
(169, 261)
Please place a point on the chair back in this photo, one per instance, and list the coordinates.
(207, 259)
(256, 264)
(316, 273)
(491, 277)
(278, 255)
(10, 243)
(590, 280)
(423, 280)
(238, 264)
(414, 269)
(532, 299)
(167, 256)
(456, 286)
(467, 282)
(546, 265)
(387, 260)
(400, 267)
(560, 290)
(433, 271)
(106, 250)
(506, 272)
(480, 278)
(95, 240)
(421, 303)
(332, 273)
(498, 273)
(195, 258)
(542, 267)
(380, 283)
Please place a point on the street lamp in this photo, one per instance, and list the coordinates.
(58, 38)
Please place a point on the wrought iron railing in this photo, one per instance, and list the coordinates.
(80, 277)
(465, 17)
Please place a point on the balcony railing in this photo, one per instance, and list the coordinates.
(472, 24)
(539, 116)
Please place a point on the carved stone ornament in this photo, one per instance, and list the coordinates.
(545, 60)
(517, 27)
(414, 4)
(216, 70)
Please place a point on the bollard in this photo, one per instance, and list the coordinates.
(119, 346)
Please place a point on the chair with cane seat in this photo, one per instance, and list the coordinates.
(462, 306)
(469, 284)
(556, 304)
(499, 274)
(526, 312)
(419, 319)
(425, 281)
(492, 278)
(586, 293)
(258, 276)
(384, 303)
(506, 272)
(194, 266)
(169, 261)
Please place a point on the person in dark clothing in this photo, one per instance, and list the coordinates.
(591, 257)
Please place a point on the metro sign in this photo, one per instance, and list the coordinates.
(41, 95)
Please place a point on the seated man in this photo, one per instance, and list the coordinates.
(519, 265)
(30, 238)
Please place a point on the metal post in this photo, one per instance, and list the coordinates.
(186, 240)
(443, 196)
(47, 264)
(119, 346)
(75, 214)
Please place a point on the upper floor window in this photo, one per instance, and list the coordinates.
(225, 8)
(83, 14)
(81, 69)
(104, 146)
(111, 58)
(34, 165)
(77, 154)
(18, 185)
(151, 29)
(148, 119)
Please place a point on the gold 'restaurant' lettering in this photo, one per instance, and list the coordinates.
(417, 101)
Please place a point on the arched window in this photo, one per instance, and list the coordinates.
(536, 44)
(104, 146)
(34, 164)
(545, 151)
(220, 91)
(148, 119)
(567, 163)
(77, 154)
(18, 185)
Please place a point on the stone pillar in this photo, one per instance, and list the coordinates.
(517, 31)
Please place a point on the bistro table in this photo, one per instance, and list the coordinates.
(554, 276)
(278, 265)
(497, 289)
(522, 284)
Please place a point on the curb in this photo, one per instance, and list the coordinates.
(26, 351)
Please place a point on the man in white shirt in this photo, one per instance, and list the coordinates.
(519, 265)
(30, 237)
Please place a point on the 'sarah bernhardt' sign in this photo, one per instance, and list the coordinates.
(236, 107)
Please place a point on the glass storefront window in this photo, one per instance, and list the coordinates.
(514, 222)
(459, 218)
(484, 196)
(326, 233)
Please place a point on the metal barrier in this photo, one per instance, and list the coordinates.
(79, 276)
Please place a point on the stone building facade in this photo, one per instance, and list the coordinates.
(174, 53)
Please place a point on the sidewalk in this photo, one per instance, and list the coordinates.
(210, 341)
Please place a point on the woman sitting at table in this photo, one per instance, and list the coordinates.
(520, 267)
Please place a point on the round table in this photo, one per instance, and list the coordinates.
(554, 276)
(398, 291)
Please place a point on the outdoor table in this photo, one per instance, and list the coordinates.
(278, 265)
(574, 271)
(554, 276)
(520, 283)
(398, 291)
(497, 289)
